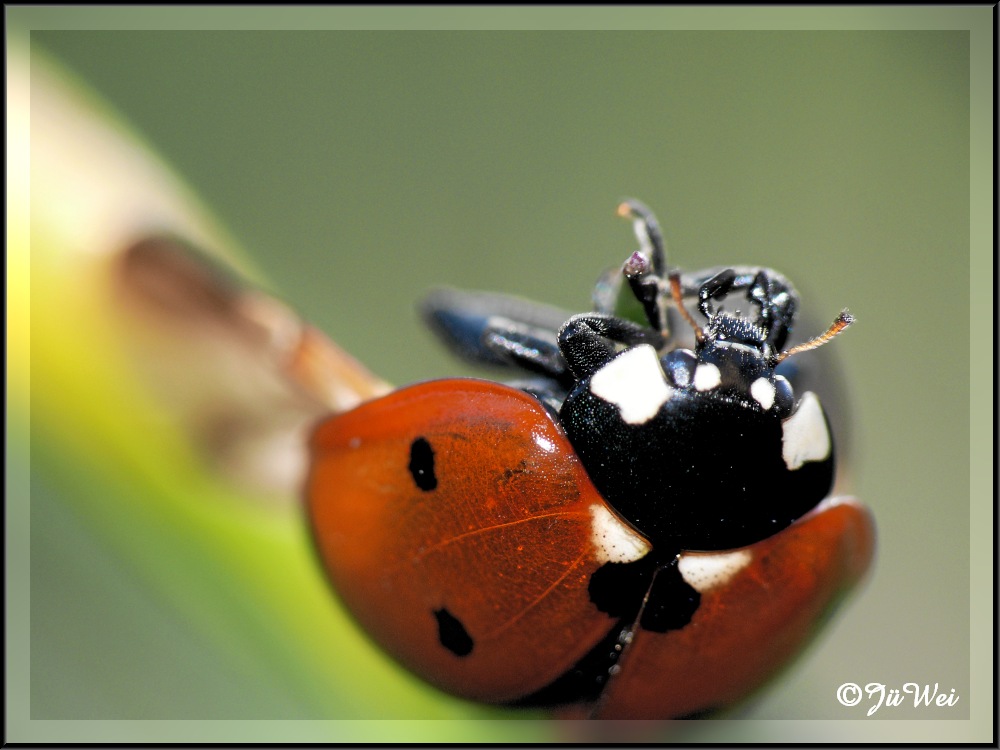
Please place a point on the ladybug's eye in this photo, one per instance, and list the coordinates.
(679, 366)
(784, 398)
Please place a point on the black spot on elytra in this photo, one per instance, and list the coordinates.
(671, 603)
(452, 633)
(618, 589)
(422, 464)
(647, 593)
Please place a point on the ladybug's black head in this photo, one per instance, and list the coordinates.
(732, 363)
(735, 353)
(724, 329)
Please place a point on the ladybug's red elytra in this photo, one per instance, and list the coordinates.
(641, 527)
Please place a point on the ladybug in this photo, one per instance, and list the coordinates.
(640, 527)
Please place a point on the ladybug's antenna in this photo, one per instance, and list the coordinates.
(676, 293)
(839, 324)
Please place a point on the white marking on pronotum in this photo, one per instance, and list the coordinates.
(634, 382)
(805, 436)
(762, 391)
(703, 572)
(613, 540)
(706, 377)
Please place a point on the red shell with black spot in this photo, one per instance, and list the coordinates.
(460, 529)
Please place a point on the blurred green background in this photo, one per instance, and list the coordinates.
(359, 168)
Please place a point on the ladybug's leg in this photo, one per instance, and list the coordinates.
(465, 322)
(774, 296)
(647, 267)
(587, 341)
(527, 347)
(716, 287)
(778, 303)
(648, 288)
